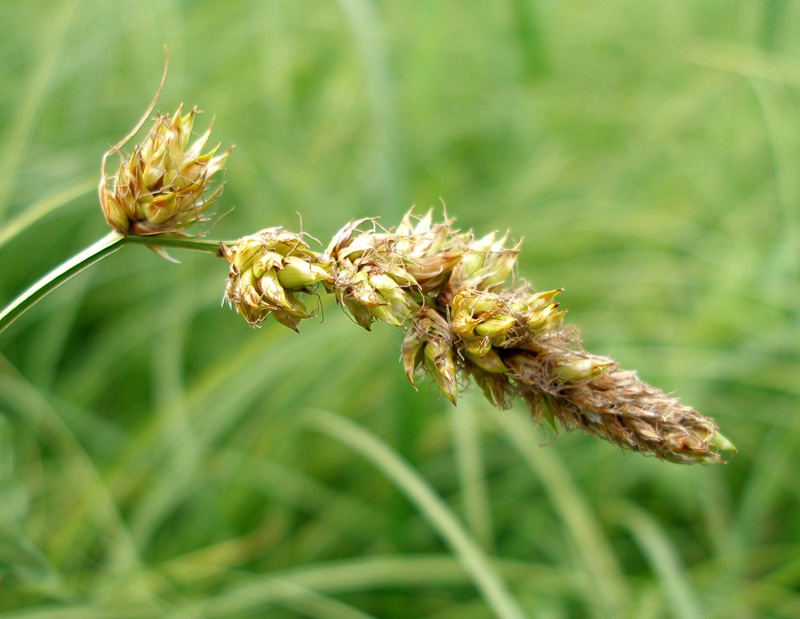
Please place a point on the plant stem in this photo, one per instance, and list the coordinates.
(180, 242)
(106, 246)
(98, 250)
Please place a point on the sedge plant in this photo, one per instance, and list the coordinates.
(464, 315)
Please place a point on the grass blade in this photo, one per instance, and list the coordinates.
(439, 515)
(582, 525)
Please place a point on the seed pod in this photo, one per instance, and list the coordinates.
(489, 361)
(428, 342)
(439, 363)
(572, 369)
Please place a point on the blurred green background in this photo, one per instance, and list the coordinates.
(158, 458)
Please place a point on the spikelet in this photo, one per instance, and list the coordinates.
(371, 278)
(269, 273)
(165, 185)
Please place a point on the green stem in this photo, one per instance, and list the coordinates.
(180, 242)
(102, 248)
(106, 246)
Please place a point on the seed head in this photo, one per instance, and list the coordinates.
(164, 186)
(268, 271)
(370, 278)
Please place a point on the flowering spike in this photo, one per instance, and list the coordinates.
(461, 320)
(163, 188)
(267, 269)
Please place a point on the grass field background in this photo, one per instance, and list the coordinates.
(159, 458)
